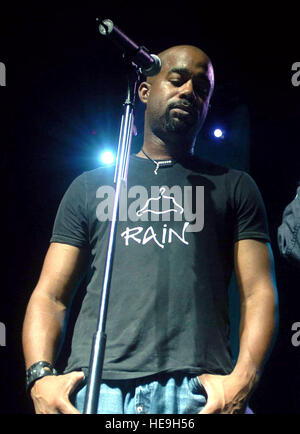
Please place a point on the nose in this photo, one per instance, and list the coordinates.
(187, 90)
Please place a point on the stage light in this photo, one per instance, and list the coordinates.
(218, 133)
(107, 157)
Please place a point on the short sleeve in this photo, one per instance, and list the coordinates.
(71, 222)
(250, 213)
(289, 230)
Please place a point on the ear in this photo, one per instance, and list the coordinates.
(144, 91)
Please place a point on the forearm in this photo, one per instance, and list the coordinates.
(257, 326)
(42, 328)
(41, 335)
(258, 300)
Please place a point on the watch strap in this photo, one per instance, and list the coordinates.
(38, 370)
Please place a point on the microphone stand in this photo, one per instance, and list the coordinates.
(120, 178)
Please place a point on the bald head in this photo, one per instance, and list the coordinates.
(184, 54)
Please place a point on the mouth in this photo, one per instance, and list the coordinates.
(184, 109)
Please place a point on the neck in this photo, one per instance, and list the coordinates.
(155, 154)
(159, 150)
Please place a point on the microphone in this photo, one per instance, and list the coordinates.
(149, 64)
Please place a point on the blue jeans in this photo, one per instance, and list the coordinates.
(162, 394)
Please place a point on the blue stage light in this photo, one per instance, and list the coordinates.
(218, 133)
(107, 157)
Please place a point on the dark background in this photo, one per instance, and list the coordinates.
(62, 103)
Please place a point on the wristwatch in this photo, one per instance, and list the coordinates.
(37, 371)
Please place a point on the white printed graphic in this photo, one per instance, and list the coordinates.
(146, 207)
(165, 205)
(149, 234)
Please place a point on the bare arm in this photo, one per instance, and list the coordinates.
(256, 282)
(63, 266)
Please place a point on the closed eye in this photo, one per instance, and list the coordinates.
(177, 82)
(201, 89)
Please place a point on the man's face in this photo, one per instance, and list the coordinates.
(178, 96)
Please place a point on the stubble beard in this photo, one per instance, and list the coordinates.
(177, 135)
(179, 124)
(179, 132)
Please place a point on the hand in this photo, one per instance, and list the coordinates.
(226, 394)
(50, 394)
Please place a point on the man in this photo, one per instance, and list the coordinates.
(289, 231)
(186, 224)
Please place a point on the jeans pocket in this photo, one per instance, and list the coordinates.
(196, 386)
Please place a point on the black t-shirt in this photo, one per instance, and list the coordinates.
(168, 304)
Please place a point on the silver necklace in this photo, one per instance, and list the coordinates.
(159, 163)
